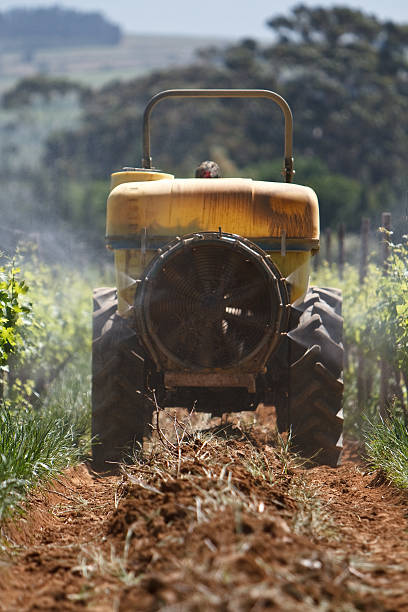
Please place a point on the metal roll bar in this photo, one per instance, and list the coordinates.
(288, 170)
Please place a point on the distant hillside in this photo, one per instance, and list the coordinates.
(135, 55)
(32, 29)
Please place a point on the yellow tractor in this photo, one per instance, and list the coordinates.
(212, 305)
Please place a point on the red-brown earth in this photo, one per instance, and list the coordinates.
(214, 523)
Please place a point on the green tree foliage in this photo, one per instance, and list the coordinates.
(344, 74)
(110, 136)
(13, 311)
(26, 90)
(59, 332)
(387, 321)
(375, 318)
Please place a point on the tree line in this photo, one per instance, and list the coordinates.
(343, 72)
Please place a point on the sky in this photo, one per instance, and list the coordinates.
(224, 18)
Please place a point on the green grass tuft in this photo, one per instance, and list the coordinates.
(387, 448)
(37, 445)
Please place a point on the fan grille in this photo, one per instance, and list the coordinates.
(210, 303)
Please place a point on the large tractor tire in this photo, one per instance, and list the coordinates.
(315, 385)
(121, 412)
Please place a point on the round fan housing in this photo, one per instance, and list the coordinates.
(211, 300)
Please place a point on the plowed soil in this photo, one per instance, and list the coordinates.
(226, 522)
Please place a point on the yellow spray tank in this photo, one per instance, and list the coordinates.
(212, 305)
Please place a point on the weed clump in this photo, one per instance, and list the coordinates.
(37, 445)
(386, 442)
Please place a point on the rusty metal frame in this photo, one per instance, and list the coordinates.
(288, 170)
(246, 380)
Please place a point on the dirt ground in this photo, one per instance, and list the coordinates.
(227, 522)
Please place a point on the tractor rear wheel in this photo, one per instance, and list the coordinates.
(121, 413)
(315, 385)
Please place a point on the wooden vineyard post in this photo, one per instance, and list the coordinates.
(384, 366)
(328, 246)
(341, 235)
(385, 248)
(365, 231)
(362, 394)
(316, 261)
